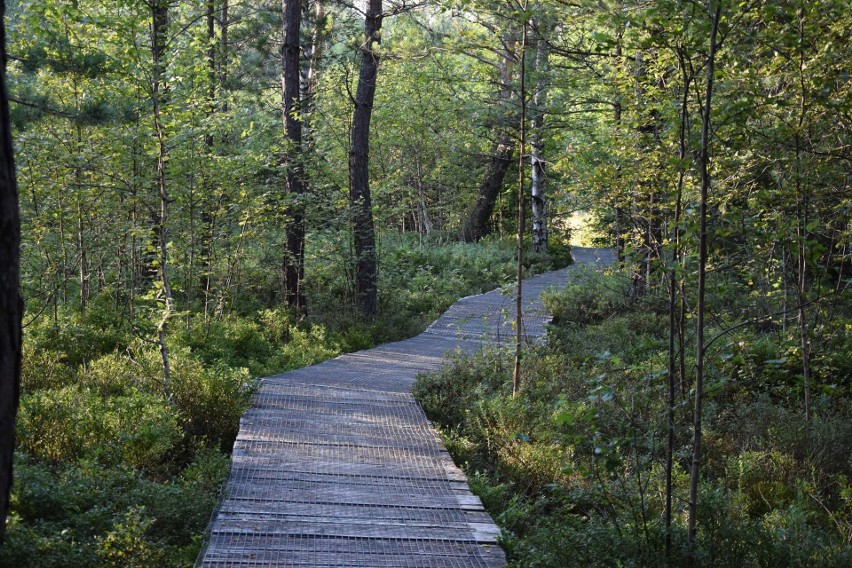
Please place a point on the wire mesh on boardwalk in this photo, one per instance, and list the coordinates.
(336, 464)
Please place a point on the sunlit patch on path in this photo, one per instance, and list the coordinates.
(336, 465)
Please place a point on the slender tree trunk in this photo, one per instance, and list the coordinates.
(477, 223)
(519, 295)
(132, 269)
(159, 27)
(294, 263)
(224, 24)
(366, 267)
(424, 224)
(64, 250)
(310, 69)
(537, 189)
(207, 200)
(11, 305)
(645, 213)
(674, 378)
(78, 189)
(715, 14)
(620, 222)
(84, 260)
(802, 207)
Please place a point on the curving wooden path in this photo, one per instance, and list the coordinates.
(337, 466)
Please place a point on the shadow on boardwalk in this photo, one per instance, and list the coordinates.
(336, 465)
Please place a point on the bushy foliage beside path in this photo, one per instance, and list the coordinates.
(114, 469)
(573, 469)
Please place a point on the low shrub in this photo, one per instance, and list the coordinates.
(139, 368)
(69, 424)
(88, 514)
(43, 368)
(211, 399)
(572, 469)
(589, 297)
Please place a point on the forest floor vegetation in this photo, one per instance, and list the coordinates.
(113, 469)
(573, 469)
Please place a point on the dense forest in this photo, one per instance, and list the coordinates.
(214, 191)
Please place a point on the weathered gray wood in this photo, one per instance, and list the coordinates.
(336, 465)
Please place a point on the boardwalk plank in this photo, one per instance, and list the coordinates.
(337, 466)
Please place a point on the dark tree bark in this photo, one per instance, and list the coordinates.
(695, 472)
(519, 294)
(366, 267)
(224, 23)
(646, 212)
(11, 305)
(159, 40)
(620, 223)
(802, 210)
(207, 217)
(676, 373)
(478, 222)
(294, 264)
(310, 66)
(217, 62)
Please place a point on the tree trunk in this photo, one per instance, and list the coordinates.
(522, 214)
(224, 22)
(646, 214)
(802, 208)
(424, 223)
(207, 217)
(366, 268)
(675, 312)
(294, 264)
(620, 223)
(84, 260)
(537, 189)
(715, 14)
(159, 27)
(310, 68)
(500, 158)
(11, 305)
(477, 223)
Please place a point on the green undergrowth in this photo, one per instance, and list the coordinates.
(573, 468)
(114, 468)
(418, 280)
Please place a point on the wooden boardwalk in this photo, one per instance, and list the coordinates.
(337, 466)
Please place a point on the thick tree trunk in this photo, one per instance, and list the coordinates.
(478, 221)
(294, 264)
(11, 306)
(537, 189)
(500, 159)
(695, 473)
(366, 267)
